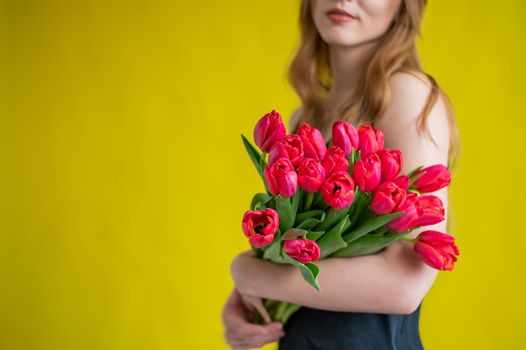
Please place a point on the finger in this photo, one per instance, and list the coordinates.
(255, 340)
(249, 329)
(240, 325)
(262, 311)
(236, 320)
(257, 303)
(264, 340)
(248, 306)
(240, 334)
(237, 341)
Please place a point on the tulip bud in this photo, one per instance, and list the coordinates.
(402, 181)
(345, 136)
(437, 249)
(281, 178)
(260, 226)
(387, 198)
(313, 142)
(290, 147)
(334, 160)
(269, 129)
(311, 175)
(367, 172)
(338, 190)
(391, 163)
(432, 178)
(406, 221)
(371, 139)
(302, 250)
(430, 210)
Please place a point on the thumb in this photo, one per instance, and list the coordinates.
(257, 303)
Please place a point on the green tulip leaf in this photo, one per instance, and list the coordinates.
(332, 240)
(359, 205)
(315, 235)
(319, 214)
(368, 245)
(333, 217)
(296, 201)
(414, 171)
(286, 212)
(259, 198)
(259, 206)
(308, 224)
(318, 202)
(310, 272)
(273, 251)
(253, 153)
(369, 226)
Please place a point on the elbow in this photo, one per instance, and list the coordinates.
(410, 305)
(411, 299)
(236, 272)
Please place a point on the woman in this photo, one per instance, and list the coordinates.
(357, 61)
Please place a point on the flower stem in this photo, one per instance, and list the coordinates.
(411, 240)
(310, 197)
(262, 164)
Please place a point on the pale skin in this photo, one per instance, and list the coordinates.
(394, 281)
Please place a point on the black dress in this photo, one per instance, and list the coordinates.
(313, 329)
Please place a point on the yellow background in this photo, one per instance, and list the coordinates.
(123, 177)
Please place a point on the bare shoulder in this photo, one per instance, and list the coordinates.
(295, 118)
(399, 122)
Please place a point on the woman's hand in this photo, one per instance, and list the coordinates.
(255, 304)
(240, 334)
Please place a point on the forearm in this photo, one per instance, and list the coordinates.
(361, 284)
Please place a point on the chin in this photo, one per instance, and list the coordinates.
(338, 37)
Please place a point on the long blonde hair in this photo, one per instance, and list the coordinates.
(310, 75)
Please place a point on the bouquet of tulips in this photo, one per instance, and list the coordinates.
(341, 200)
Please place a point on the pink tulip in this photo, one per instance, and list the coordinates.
(281, 178)
(345, 136)
(311, 175)
(392, 163)
(371, 139)
(260, 226)
(334, 160)
(411, 196)
(313, 143)
(269, 130)
(338, 190)
(302, 250)
(387, 198)
(367, 172)
(430, 210)
(409, 219)
(290, 147)
(402, 181)
(434, 178)
(437, 249)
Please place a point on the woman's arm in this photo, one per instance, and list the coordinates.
(393, 281)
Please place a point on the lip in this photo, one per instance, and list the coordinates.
(340, 16)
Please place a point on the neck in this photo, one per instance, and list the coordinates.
(347, 64)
